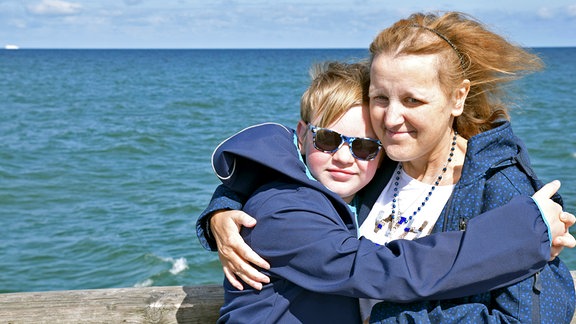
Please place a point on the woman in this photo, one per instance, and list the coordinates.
(436, 104)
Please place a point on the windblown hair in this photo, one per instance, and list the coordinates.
(335, 88)
(467, 50)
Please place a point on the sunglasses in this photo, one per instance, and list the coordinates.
(329, 141)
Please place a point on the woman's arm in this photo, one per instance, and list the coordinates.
(308, 244)
(223, 198)
(238, 257)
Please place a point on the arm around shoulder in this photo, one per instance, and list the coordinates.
(222, 199)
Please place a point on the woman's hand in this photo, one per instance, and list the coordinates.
(558, 220)
(236, 256)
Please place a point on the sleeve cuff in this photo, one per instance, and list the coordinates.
(545, 221)
(222, 199)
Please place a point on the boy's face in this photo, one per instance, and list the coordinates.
(340, 171)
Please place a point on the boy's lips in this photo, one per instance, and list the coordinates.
(339, 174)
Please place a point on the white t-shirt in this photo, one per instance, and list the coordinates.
(411, 195)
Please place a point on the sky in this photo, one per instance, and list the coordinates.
(261, 23)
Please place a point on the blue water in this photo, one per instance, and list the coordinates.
(105, 154)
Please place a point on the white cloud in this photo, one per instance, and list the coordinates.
(54, 7)
(545, 13)
(259, 23)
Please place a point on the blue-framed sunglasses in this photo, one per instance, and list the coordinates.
(329, 141)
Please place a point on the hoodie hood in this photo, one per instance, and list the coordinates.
(260, 154)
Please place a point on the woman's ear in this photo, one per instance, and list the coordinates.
(460, 95)
(302, 131)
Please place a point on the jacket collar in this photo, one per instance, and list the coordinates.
(490, 150)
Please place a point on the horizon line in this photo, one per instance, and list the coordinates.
(225, 48)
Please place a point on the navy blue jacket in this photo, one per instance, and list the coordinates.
(318, 266)
(496, 169)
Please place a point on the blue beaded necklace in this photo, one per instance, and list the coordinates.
(391, 219)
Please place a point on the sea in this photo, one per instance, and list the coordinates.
(105, 154)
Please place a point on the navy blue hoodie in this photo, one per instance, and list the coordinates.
(318, 266)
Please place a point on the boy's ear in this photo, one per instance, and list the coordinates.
(302, 131)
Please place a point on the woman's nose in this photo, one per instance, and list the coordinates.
(394, 115)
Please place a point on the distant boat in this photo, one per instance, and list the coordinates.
(11, 47)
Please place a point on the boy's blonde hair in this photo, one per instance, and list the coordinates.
(335, 88)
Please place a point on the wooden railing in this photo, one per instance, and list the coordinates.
(175, 304)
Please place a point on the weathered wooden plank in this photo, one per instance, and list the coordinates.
(198, 304)
(158, 305)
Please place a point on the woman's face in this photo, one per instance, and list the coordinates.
(340, 171)
(410, 113)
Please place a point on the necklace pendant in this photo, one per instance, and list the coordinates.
(420, 231)
(409, 223)
(380, 221)
(390, 227)
(406, 223)
(405, 232)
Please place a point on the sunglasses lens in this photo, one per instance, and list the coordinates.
(365, 149)
(327, 140)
